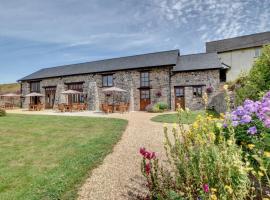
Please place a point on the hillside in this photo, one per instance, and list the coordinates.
(10, 88)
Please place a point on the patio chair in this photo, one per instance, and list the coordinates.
(75, 106)
(85, 106)
(31, 107)
(107, 108)
(68, 108)
(61, 107)
(40, 107)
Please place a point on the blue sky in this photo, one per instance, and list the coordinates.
(35, 33)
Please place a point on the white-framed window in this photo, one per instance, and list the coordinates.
(197, 91)
(107, 80)
(257, 52)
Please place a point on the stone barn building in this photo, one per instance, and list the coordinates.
(149, 78)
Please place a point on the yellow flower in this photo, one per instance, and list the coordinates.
(262, 169)
(213, 190)
(195, 125)
(219, 125)
(229, 189)
(260, 173)
(165, 125)
(213, 197)
(251, 146)
(267, 154)
(174, 125)
(225, 87)
(229, 142)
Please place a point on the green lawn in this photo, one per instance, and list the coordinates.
(185, 119)
(49, 157)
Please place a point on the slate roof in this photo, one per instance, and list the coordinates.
(246, 41)
(200, 61)
(164, 58)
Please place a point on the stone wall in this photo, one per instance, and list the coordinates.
(128, 80)
(188, 80)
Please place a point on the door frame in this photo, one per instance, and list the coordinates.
(50, 90)
(146, 89)
(184, 103)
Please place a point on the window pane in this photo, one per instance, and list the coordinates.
(197, 91)
(144, 79)
(107, 80)
(110, 80)
(35, 87)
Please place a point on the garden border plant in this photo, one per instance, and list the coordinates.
(206, 161)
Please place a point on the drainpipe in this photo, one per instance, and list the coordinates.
(170, 89)
(21, 94)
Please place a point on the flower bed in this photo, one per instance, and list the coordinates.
(213, 160)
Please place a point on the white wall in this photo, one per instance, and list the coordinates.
(239, 61)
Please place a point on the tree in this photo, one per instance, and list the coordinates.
(257, 82)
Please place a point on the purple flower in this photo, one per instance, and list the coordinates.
(235, 123)
(250, 106)
(267, 123)
(234, 117)
(252, 130)
(225, 125)
(240, 111)
(245, 119)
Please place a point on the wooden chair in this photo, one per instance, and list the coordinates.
(61, 107)
(39, 107)
(8, 106)
(107, 108)
(75, 106)
(68, 108)
(31, 107)
(85, 106)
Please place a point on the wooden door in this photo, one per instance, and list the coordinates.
(179, 93)
(50, 97)
(144, 99)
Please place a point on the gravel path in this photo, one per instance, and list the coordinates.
(119, 176)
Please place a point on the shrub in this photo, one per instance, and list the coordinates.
(251, 126)
(153, 108)
(197, 166)
(162, 105)
(157, 107)
(2, 112)
(258, 79)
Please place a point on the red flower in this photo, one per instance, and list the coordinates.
(147, 154)
(142, 151)
(148, 168)
(206, 188)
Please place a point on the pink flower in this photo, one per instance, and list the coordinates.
(147, 154)
(206, 188)
(142, 151)
(148, 168)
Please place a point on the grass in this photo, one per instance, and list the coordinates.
(9, 88)
(185, 119)
(49, 157)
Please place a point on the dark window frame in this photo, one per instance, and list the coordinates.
(76, 98)
(179, 94)
(197, 91)
(35, 86)
(145, 79)
(145, 94)
(107, 82)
